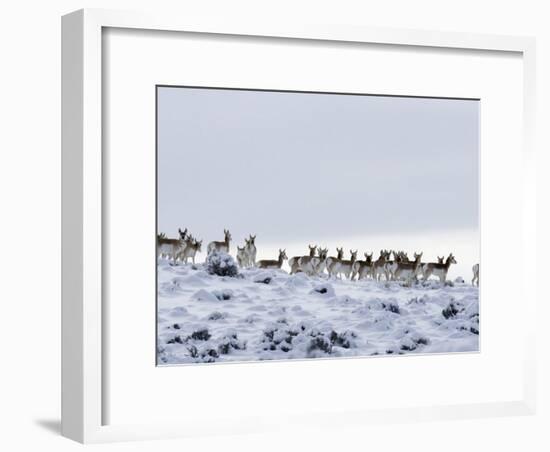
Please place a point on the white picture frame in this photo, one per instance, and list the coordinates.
(83, 197)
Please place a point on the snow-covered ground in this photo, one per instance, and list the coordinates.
(263, 315)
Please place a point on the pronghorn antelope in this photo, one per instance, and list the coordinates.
(441, 259)
(331, 262)
(321, 261)
(408, 270)
(390, 265)
(160, 236)
(250, 251)
(475, 279)
(183, 234)
(192, 247)
(242, 257)
(346, 266)
(220, 246)
(362, 268)
(379, 266)
(308, 264)
(439, 270)
(170, 247)
(294, 262)
(273, 264)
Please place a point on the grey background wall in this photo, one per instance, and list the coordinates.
(30, 192)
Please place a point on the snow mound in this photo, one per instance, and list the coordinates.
(270, 315)
(263, 277)
(324, 289)
(204, 295)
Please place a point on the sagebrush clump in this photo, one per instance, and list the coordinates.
(221, 264)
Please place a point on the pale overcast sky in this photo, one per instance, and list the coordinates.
(299, 167)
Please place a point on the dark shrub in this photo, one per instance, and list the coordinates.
(344, 340)
(320, 342)
(391, 307)
(201, 335)
(229, 342)
(221, 264)
(175, 340)
(421, 341)
(216, 316)
(408, 348)
(451, 310)
(223, 295)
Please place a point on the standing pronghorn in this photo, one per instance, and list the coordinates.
(379, 266)
(321, 261)
(190, 251)
(362, 268)
(391, 266)
(346, 266)
(170, 247)
(439, 270)
(220, 246)
(294, 262)
(331, 263)
(475, 279)
(273, 264)
(250, 251)
(408, 270)
(242, 257)
(183, 234)
(308, 264)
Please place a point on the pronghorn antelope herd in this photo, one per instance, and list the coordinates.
(390, 265)
(183, 248)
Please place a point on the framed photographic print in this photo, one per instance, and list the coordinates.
(308, 187)
(266, 223)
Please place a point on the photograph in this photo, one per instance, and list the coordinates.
(295, 224)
